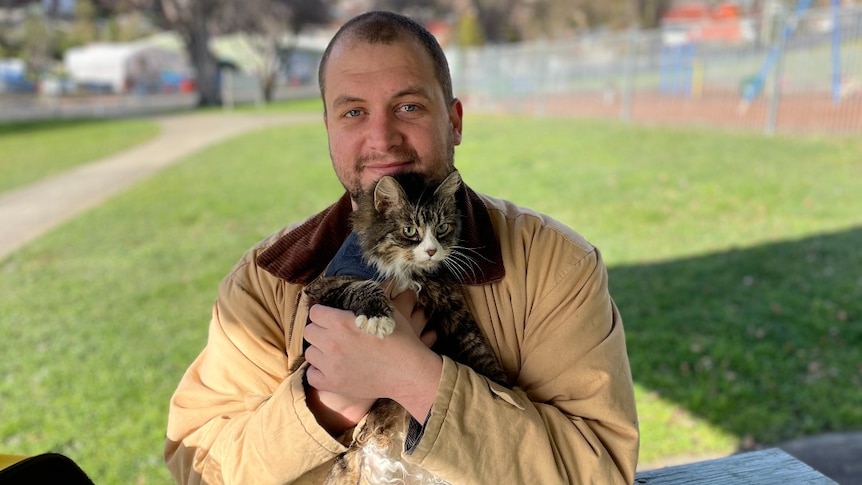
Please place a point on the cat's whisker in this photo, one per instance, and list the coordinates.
(475, 251)
(460, 264)
(468, 259)
(455, 269)
(468, 262)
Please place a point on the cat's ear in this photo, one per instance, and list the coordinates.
(449, 186)
(388, 194)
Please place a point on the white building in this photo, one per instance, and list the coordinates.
(127, 67)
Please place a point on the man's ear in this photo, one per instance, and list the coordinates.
(456, 119)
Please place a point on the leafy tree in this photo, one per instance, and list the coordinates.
(83, 28)
(469, 32)
(39, 44)
(495, 17)
(649, 12)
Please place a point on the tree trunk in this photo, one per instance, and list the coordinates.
(189, 19)
(204, 62)
(268, 87)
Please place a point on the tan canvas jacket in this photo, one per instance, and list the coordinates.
(540, 296)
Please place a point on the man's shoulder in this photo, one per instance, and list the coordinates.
(267, 242)
(272, 239)
(248, 262)
(518, 222)
(300, 252)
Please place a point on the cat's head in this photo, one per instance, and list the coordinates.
(407, 224)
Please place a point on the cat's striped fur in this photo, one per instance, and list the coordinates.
(408, 228)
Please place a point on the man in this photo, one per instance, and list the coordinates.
(540, 296)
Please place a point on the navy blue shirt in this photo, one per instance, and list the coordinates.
(348, 261)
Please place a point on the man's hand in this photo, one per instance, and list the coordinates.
(349, 369)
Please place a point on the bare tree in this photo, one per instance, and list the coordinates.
(266, 23)
(271, 28)
(193, 20)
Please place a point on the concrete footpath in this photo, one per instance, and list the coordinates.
(30, 211)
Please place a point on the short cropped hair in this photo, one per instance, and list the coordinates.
(380, 27)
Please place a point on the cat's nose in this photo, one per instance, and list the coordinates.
(431, 252)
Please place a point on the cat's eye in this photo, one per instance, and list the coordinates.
(443, 229)
(409, 231)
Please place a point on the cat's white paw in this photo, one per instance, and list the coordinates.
(379, 326)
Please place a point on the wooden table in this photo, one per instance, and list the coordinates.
(765, 467)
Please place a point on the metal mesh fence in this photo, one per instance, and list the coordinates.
(800, 73)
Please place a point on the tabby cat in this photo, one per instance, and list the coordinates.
(407, 230)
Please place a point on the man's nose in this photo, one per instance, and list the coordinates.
(383, 133)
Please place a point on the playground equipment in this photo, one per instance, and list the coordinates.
(753, 86)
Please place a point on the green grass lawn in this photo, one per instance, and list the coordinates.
(308, 105)
(33, 150)
(734, 259)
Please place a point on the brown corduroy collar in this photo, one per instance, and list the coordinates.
(303, 253)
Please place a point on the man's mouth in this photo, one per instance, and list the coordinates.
(387, 168)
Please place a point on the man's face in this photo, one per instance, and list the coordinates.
(385, 113)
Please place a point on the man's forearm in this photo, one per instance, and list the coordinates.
(335, 413)
(419, 390)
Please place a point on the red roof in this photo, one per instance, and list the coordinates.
(693, 12)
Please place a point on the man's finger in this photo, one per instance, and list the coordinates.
(327, 317)
(405, 302)
(429, 338)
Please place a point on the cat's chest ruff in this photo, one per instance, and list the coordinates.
(380, 467)
(400, 284)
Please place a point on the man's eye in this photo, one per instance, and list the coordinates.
(353, 113)
(409, 108)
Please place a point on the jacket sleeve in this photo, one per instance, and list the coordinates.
(571, 419)
(237, 415)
